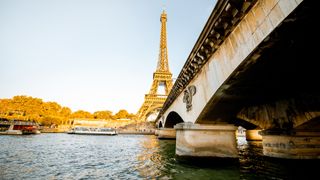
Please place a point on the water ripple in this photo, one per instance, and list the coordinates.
(65, 156)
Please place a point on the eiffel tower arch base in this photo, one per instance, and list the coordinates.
(150, 107)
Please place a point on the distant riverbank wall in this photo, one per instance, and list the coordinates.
(101, 123)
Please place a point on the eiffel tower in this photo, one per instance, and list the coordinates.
(153, 101)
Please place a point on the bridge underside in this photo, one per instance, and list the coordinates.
(283, 68)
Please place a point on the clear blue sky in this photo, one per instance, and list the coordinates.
(92, 54)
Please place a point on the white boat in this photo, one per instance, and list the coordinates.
(93, 131)
(12, 132)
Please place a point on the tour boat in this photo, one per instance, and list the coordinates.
(11, 132)
(93, 131)
(17, 128)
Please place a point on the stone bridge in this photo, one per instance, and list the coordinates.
(254, 65)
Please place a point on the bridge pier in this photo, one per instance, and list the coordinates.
(199, 140)
(166, 133)
(300, 144)
(253, 135)
(156, 132)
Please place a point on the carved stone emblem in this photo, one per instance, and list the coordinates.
(187, 96)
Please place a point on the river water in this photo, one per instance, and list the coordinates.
(66, 156)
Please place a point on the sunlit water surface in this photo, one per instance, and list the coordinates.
(65, 156)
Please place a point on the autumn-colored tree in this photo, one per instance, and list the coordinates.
(65, 111)
(103, 114)
(28, 108)
(33, 109)
(81, 114)
(122, 114)
(132, 116)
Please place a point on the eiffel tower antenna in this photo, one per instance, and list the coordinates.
(163, 6)
(153, 101)
(163, 52)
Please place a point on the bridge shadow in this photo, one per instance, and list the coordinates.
(208, 162)
(254, 165)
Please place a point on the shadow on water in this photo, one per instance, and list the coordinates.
(209, 168)
(253, 165)
(174, 167)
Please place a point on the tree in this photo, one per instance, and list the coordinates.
(122, 114)
(65, 112)
(103, 114)
(81, 114)
(132, 116)
(28, 108)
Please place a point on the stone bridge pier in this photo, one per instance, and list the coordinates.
(206, 140)
(166, 133)
(298, 144)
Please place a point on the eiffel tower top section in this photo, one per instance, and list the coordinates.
(163, 65)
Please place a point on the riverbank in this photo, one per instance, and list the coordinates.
(142, 128)
(119, 132)
(137, 132)
(53, 130)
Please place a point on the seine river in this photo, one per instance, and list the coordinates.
(65, 156)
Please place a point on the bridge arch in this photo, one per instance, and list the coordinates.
(160, 125)
(245, 124)
(311, 124)
(172, 119)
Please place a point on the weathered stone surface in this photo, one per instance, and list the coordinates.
(166, 133)
(299, 146)
(195, 140)
(156, 132)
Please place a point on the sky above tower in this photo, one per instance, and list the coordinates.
(92, 55)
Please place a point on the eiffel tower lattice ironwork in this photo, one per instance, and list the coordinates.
(161, 77)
